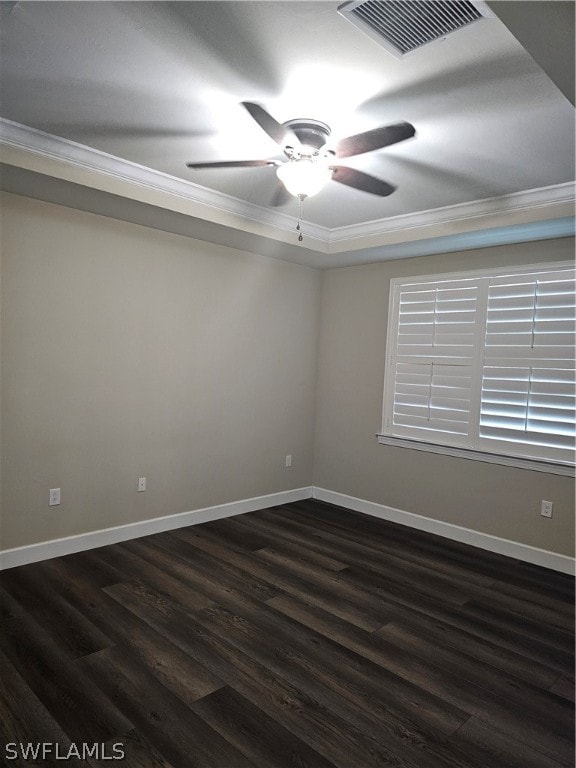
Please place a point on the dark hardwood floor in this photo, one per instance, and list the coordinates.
(303, 636)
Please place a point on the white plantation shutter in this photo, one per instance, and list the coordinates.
(484, 362)
(432, 396)
(434, 356)
(528, 376)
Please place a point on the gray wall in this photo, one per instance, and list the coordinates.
(131, 352)
(497, 500)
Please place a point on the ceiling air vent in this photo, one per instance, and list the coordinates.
(403, 26)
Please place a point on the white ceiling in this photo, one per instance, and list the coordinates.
(159, 84)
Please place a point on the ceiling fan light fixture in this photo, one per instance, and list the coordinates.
(309, 167)
(304, 177)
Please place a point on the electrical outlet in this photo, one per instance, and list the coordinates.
(546, 509)
(289, 460)
(54, 498)
(141, 484)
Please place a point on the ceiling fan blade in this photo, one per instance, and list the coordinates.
(374, 139)
(362, 181)
(233, 164)
(269, 125)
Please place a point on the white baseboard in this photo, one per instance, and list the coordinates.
(10, 558)
(514, 549)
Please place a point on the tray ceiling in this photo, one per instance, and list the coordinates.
(159, 84)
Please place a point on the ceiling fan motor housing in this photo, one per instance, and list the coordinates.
(310, 133)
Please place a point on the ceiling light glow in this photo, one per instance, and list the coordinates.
(304, 177)
(328, 93)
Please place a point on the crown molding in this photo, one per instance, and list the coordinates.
(53, 147)
(540, 198)
(530, 205)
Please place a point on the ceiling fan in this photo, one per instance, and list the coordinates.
(310, 165)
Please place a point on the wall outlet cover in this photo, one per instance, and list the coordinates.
(54, 498)
(546, 509)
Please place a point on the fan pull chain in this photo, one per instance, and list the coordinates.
(299, 225)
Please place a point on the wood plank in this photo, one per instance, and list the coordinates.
(94, 570)
(452, 689)
(445, 635)
(329, 590)
(263, 740)
(496, 748)
(491, 564)
(173, 729)
(299, 636)
(206, 572)
(430, 713)
(548, 646)
(531, 699)
(384, 561)
(174, 669)
(417, 704)
(402, 605)
(329, 538)
(325, 731)
(230, 534)
(81, 710)
(74, 634)
(564, 687)
(278, 537)
(356, 691)
(522, 629)
(393, 579)
(23, 717)
(148, 573)
(507, 620)
(390, 602)
(338, 666)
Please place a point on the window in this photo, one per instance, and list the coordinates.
(484, 363)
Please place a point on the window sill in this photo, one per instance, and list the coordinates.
(491, 458)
